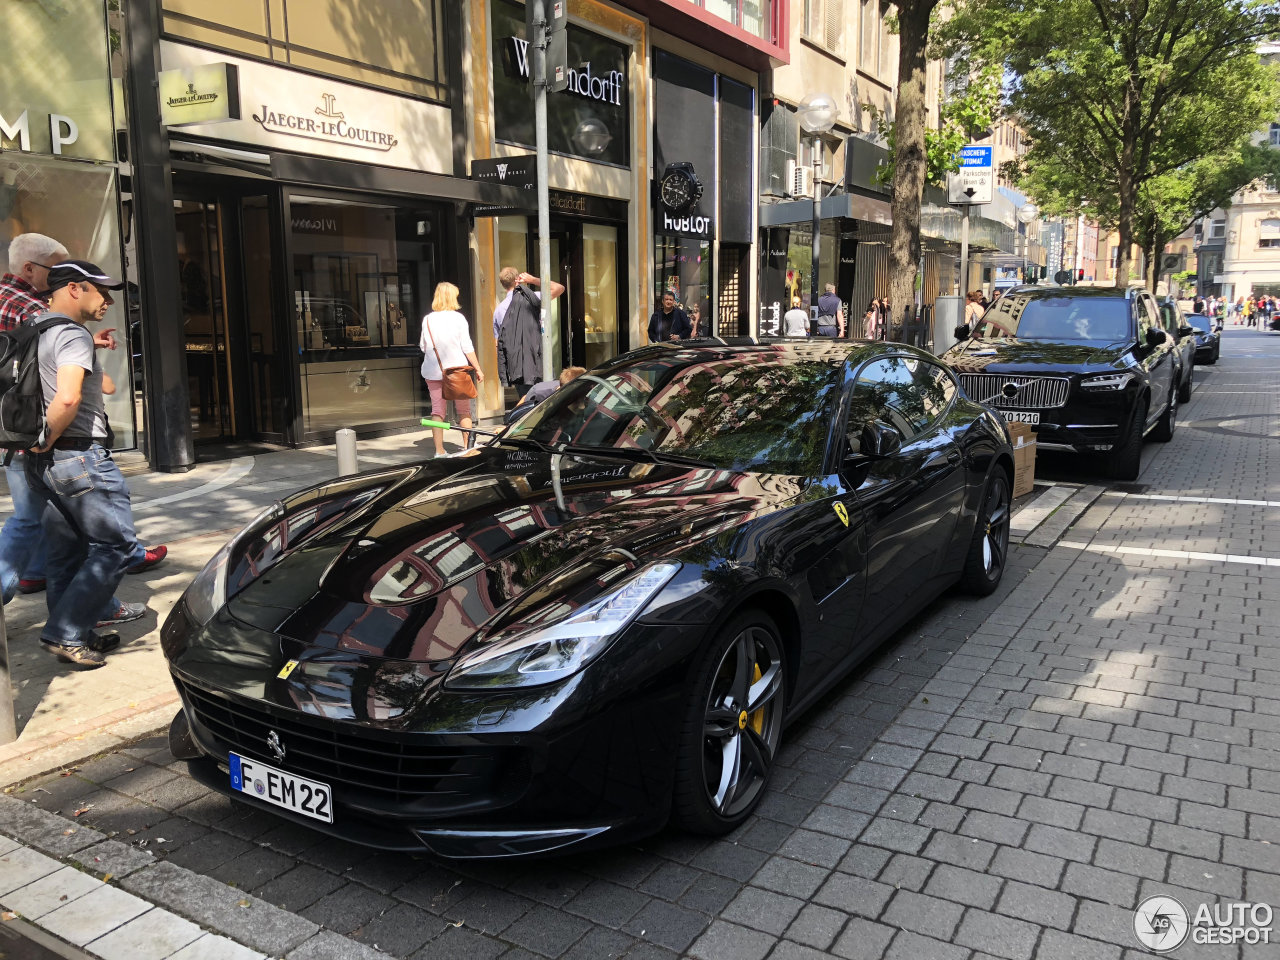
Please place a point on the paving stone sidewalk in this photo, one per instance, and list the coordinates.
(1007, 778)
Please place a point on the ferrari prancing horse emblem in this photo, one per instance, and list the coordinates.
(842, 512)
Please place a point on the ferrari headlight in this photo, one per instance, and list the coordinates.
(1110, 381)
(544, 654)
(208, 591)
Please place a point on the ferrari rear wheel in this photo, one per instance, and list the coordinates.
(989, 549)
(732, 727)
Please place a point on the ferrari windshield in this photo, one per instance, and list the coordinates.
(749, 409)
(1058, 317)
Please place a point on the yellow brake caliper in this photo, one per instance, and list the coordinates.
(757, 718)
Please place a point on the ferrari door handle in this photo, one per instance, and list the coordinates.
(953, 457)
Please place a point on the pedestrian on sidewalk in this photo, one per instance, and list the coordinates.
(669, 322)
(22, 548)
(446, 343)
(795, 322)
(87, 518)
(830, 313)
(517, 327)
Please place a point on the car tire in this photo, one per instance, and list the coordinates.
(1126, 456)
(1168, 421)
(989, 548)
(1184, 391)
(1214, 359)
(726, 751)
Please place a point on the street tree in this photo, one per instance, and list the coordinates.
(1114, 94)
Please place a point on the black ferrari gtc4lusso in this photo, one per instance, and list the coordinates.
(602, 620)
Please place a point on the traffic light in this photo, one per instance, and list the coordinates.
(1079, 274)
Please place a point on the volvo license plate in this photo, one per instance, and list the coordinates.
(1021, 416)
(307, 797)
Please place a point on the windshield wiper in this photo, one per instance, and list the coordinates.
(638, 453)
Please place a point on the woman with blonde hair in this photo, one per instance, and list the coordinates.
(446, 343)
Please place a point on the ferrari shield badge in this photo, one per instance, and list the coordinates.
(842, 512)
(288, 667)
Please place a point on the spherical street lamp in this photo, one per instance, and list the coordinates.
(817, 113)
(1028, 212)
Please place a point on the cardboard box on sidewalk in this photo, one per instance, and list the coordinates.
(1024, 458)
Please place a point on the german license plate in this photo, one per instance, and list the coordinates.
(1021, 416)
(257, 779)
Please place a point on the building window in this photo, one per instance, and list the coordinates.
(1274, 135)
(753, 16)
(1217, 229)
(824, 23)
(397, 45)
(870, 27)
(1269, 232)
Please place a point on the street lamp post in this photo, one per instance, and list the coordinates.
(1027, 213)
(817, 115)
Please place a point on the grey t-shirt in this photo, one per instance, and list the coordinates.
(64, 346)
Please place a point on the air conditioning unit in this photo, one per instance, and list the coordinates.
(800, 179)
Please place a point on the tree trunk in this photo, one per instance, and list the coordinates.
(910, 164)
(1127, 190)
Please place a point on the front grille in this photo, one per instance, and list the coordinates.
(1034, 393)
(368, 766)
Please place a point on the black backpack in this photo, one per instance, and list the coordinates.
(22, 403)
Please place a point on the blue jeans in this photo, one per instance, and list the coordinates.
(88, 526)
(21, 540)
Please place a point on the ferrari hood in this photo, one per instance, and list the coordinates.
(477, 543)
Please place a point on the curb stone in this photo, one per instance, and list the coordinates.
(210, 903)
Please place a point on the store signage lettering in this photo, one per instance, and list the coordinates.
(63, 131)
(315, 225)
(327, 124)
(605, 89)
(689, 225)
(208, 93)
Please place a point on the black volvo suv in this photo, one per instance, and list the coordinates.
(1090, 368)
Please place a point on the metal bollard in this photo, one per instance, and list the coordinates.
(8, 720)
(347, 461)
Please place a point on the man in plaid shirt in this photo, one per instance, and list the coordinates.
(31, 255)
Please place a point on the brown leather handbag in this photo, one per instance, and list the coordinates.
(456, 382)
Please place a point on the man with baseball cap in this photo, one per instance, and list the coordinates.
(88, 520)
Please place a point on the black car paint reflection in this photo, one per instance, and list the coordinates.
(740, 468)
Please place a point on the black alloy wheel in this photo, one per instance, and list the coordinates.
(1125, 458)
(1168, 422)
(989, 549)
(732, 727)
(1217, 349)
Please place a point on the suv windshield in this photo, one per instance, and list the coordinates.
(1103, 319)
(762, 410)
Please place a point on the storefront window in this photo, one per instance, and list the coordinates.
(600, 277)
(363, 277)
(800, 263)
(590, 119)
(683, 265)
(393, 44)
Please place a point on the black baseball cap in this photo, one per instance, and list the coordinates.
(81, 271)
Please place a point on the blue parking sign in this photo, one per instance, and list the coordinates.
(976, 156)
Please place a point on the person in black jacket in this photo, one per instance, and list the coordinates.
(670, 322)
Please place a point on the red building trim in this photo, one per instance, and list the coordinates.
(687, 20)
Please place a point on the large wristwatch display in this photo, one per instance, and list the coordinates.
(680, 187)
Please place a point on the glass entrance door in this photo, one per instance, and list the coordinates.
(202, 303)
(236, 369)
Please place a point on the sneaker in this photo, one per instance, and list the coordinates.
(81, 654)
(154, 556)
(123, 613)
(31, 586)
(103, 642)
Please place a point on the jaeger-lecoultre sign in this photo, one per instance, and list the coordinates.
(329, 123)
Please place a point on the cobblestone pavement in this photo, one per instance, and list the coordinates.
(1007, 778)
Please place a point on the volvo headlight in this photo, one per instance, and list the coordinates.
(1110, 381)
(208, 591)
(528, 657)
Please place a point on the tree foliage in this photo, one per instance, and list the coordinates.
(1117, 95)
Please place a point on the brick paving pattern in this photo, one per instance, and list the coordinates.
(1008, 778)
